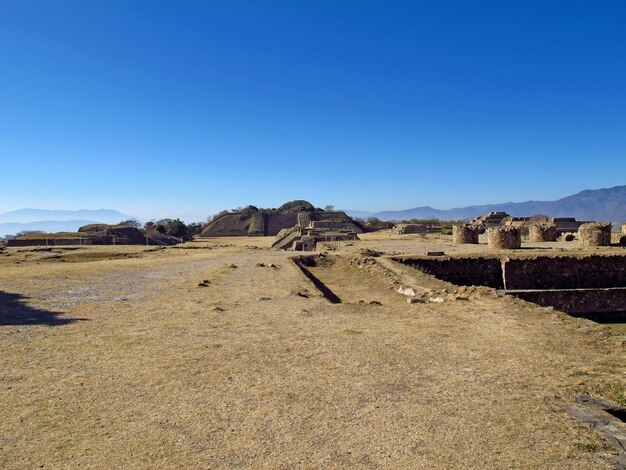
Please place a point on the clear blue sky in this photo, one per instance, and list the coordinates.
(162, 108)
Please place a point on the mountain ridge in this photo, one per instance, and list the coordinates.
(606, 204)
(48, 220)
(28, 215)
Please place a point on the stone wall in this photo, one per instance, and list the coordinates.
(542, 232)
(464, 234)
(538, 272)
(504, 238)
(565, 272)
(461, 271)
(256, 225)
(104, 240)
(607, 304)
(595, 234)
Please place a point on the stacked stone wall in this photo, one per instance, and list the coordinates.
(542, 232)
(504, 238)
(461, 271)
(105, 240)
(595, 234)
(465, 234)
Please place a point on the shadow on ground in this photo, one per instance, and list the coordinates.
(15, 311)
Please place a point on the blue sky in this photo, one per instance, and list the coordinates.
(185, 108)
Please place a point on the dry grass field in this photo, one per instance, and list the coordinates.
(114, 357)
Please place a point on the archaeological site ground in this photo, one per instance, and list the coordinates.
(389, 350)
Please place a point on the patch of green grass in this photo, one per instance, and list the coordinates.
(614, 392)
(591, 447)
(617, 327)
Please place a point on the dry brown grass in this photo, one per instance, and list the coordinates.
(153, 376)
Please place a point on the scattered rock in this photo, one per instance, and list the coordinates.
(371, 253)
(375, 302)
(272, 265)
(260, 265)
(218, 309)
(304, 313)
(203, 284)
(264, 298)
(406, 291)
(437, 300)
(232, 265)
(460, 297)
(300, 293)
(414, 300)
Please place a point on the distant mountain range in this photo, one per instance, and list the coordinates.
(591, 204)
(597, 204)
(57, 220)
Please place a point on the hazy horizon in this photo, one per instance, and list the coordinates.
(194, 218)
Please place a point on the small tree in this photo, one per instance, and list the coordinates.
(173, 227)
(194, 228)
(130, 223)
(329, 208)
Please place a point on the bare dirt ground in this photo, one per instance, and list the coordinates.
(114, 357)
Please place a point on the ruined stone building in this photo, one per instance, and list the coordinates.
(269, 222)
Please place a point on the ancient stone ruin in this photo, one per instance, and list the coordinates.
(595, 234)
(465, 234)
(299, 238)
(96, 234)
(542, 232)
(492, 219)
(624, 228)
(588, 285)
(269, 222)
(562, 224)
(407, 229)
(504, 238)
(566, 224)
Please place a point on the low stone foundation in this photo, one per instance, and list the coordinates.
(525, 272)
(589, 285)
(542, 232)
(504, 238)
(595, 234)
(602, 304)
(464, 234)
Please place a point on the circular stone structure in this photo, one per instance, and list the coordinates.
(624, 228)
(542, 232)
(504, 238)
(464, 234)
(595, 234)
